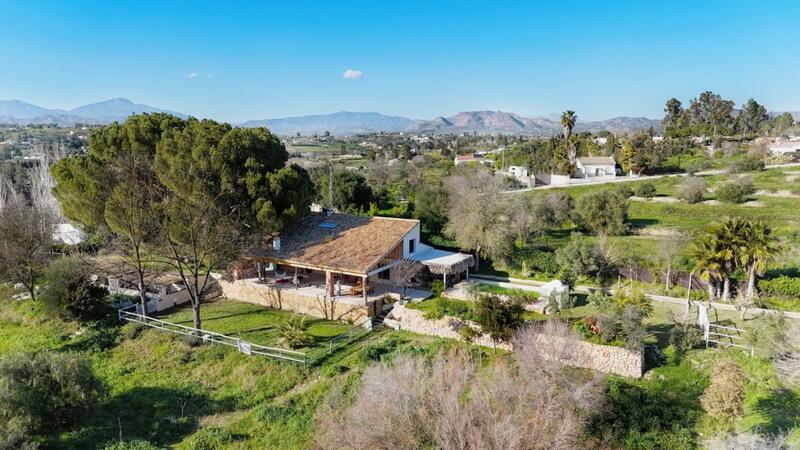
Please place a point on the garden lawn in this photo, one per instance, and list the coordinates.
(254, 323)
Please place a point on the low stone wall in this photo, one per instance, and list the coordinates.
(402, 318)
(602, 358)
(288, 299)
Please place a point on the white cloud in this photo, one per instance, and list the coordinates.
(351, 74)
(192, 75)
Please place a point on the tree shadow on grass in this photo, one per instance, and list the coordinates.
(781, 409)
(160, 415)
(661, 331)
(641, 223)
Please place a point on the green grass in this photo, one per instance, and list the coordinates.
(162, 388)
(255, 323)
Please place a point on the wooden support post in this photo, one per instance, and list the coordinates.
(445, 280)
(364, 286)
(258, 270)
(329, 283)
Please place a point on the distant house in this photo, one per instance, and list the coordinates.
(595, 167)
(600, 140)
(518, 171)
(466, 159)
(782, 148)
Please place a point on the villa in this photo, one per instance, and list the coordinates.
(340, 259)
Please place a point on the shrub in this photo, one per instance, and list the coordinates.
(131, 445)
(608, 326)
(85, 302)
(623, 299)
(41, 393)
(543, 262)
(580, 256)
(69, 290)
(633, 329)
(212, 438)
(646, 190)
(691, 190)
(598, 299)
(747, 163)
(685, 336)
(293, 333)
(731, 193)
(603, 212)
(437, 287)
(468, 334)
(498, 318)
(624, 191)
(781, 286)
(746, 184)
(724, 397)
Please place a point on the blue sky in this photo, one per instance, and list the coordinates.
(235, 61)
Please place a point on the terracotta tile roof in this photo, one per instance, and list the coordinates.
(355, 245)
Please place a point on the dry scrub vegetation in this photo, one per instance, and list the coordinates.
(450, 402)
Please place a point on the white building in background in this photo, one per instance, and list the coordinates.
(784, 147)
(600, 140)
(595, 167)
(466, 159)
(518, 171)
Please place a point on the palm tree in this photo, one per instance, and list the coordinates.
(568, 119)
(708, 262)
(730, 239)
(759, 248)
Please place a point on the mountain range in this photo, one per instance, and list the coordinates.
(469, 121)
(21, 113)
(340, 123)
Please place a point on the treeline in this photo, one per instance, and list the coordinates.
(711, 115)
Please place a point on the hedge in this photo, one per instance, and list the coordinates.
(781, 286)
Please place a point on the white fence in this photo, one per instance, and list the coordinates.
(245, 347)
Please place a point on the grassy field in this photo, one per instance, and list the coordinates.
(174, 393)
(255, 323)
(165, 389)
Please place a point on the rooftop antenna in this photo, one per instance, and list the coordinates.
(330, 189)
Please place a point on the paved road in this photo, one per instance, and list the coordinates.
(520, 283)
(641, 178)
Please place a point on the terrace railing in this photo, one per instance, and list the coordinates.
(248, 348)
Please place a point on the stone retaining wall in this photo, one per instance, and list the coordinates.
(402, 318)
(602, 358)
(288, 299)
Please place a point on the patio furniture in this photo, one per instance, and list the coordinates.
(359, 290)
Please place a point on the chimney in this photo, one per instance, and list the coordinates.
(276, 244)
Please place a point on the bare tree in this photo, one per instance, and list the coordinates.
(26, 233)
(521, 217)
(478, 215)
(7, 192)
(450, 403)
(42, 185)
(404, 273)
(670, 248)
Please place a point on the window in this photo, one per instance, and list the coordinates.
(411, 246)
(385, 274)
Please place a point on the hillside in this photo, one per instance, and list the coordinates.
(343, 122)
(510, 123)
(116, 109)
